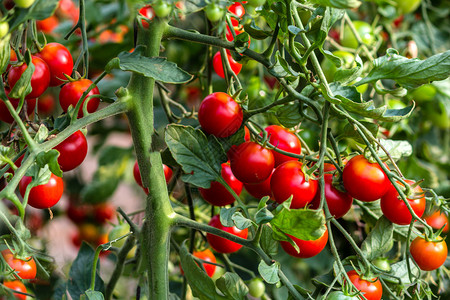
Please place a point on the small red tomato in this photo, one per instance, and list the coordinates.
(6, 117)
(59, 61)
(339, 203)
(283, 140)
(307, 248)
(372, 290)
(251, 162)
(46, 104)
(78, 213)
(18, 286)
(289, 180)
(437, 220)
(364, 180)
(207, 256)
(246, 134)
(39, 80)
(72, 151)
(25, 269)
(217, 194)
(429, 255)
(237, 9)
(218, 66)
(45, 195)
(137, 175)
(148, 12)
(104, 212)
(220, 115)
(47, 25)
(71, 92)
(221, 244)
(259, 190)
(396, 210)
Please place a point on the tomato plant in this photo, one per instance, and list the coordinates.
(428, 254)
(44, 195)
(256, 287)
(338, 295)
(117, 232)
(4, 28)
(307, 249)
(223, 245)
(24, 3)
(370, 289)
(162, 9)
(405, 7)
(18, 286)
(214, 12)
(59, 61)
(40, 79)
(25, 269)
(148, 13)
(71, 93)
(137, 175)
(209, 258)
(72, 151)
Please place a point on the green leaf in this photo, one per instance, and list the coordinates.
(269, 273)
(263, 216)
(350, 131)
(42, 134)
(94, 295)
(379, 241)
(40, 10)
(330, 16)
(338, 3)
(400, 269)
(417, 169)
(281, 68)
(289, 114)
(40, 175)
(267, 242)
(240, 221)
(226, 216)
(396, 149)
(255, 32)
(5, 53)
(50, 158)
(304, 224)
(23, 85)
(157, 68)
(346, 76)
(409, 73)
(196, 154)
(232, 286)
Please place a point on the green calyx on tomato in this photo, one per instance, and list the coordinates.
(364, 31)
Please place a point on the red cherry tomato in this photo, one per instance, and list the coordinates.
(246, 134)
(46, 104)
(437, 220)
(17, 286)
(237, 9)
(283, 140)
(396, 210)
(137, 175)
(6, 117)
(251, 162)
(339, 203)
(429, 255)
(289, 179)
(307, 248)
(221, 244)
(59, 61)
(45, 195)
(72, 151)
(217, 194)
(78, 213)
(71, 92)
(218, 67)
(39, 80)
(148, 12)
(220, 115)
(364, 180)
(104, 212)
(25, 269)
(372, 289)
(47, 25)
(259, 190)
(207, 256)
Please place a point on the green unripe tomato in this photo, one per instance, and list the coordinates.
(338, 295)
(256, 287)
(24, 3)
(424, 93)
(329, 68)
(406, 6)
(365, 33)
(214, 12)
(117, 232)
(382, 263)
(4, 28)
(438, 112)
(162, 9)
(256, 3)
(396, 104)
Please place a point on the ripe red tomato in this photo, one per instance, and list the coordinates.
(429, 255)
(59, 61)
(104, 212)
(71, 92)
(39, 80)
(6, 117)
(217, 194)
(237, 9)
(45, 195)
(396, 210)
(220, 115)
(207, 256)
(259, 190)
(25, 269)
(437, 220)
(47, 25)
(372, 290)
(72, 151)
(78, 213)
(46, 104)
(17, 286)
(364, 180)
(307, 248)
(137, 175)
(339, 203)
(289, 179)
(221, 244)
(218, 67)
(148, 12)
(283, 140)
(251, 162)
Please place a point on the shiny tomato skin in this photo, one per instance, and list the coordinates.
(208, 256)
(71, 92)
(339, 203)
(17, 286)
(251, 162)
(364, 180)
(137, 175)
(396, 210)
(39, 80)
(429, 255)
(217, 194)
(59, 61)
(237, 9)
(220, 244)
(288, 179)
(220, 115)
(46, 104)
(6, 117)
(372, 290)
(259, 190)
(72, 151)
(283, 140)
(218, 67)
(307, 248)
(47, 25)
(148, 12)
(437, 220)
(25, 269)
(45, 195)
